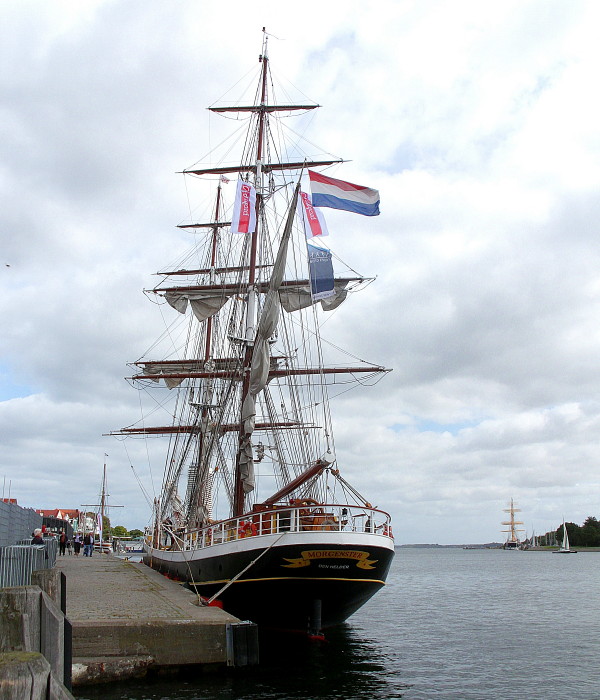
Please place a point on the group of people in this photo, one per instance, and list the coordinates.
(79, 540)
(65, 544)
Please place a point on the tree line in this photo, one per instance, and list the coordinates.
(121, 531)
(117, 530)
(586, 535)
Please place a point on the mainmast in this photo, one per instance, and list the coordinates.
(258, 173)
(244, 437)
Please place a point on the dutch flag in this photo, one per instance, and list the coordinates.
(337, 194)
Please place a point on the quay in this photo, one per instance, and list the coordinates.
(128, 620)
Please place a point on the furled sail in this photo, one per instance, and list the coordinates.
(203, 304)
(293, 298)
(296, 298)
(170, 382)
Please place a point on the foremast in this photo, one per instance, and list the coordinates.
(199, 479)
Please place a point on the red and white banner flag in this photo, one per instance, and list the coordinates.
(314, 221)
(243, 219)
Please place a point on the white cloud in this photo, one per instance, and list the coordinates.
(479, 129)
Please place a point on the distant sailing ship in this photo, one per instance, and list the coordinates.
(300, 549)
(513, 540)
(104, 541)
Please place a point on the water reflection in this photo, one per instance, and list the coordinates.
(344, 667)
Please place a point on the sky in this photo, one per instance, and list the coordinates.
(478, 122)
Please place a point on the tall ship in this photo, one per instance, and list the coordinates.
(513, 531)
(254, 510)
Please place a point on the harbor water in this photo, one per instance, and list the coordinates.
(450, 624)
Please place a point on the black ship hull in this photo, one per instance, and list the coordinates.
(302, 584)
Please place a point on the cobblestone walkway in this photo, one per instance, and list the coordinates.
(104, 587)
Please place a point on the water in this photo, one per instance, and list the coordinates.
(451, 624)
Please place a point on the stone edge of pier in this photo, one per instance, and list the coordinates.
(165, 630)
(130, 644)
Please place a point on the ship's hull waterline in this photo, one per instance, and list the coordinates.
(291, 574)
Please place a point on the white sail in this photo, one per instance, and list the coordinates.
(565, 543)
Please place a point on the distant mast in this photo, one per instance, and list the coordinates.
(103, 506)
(512, 540)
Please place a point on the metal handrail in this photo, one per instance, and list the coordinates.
(294, 518)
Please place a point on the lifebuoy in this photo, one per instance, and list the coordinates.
(247, 529)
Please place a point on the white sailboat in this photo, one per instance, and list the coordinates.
(565, 548)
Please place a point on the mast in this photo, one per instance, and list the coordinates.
(195, 486)
(103, 505)
(213, 261)
(244, 436)
(103, 499)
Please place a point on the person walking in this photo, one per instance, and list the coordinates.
(62, 543)
(87, 545)
(77, 544)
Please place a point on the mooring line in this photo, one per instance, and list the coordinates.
(243, 571)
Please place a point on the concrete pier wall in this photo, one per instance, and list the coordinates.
(129, 620)
(99, 619)
(34, 649)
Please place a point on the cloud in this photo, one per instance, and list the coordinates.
(479, 130)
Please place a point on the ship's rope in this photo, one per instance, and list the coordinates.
(243, 571)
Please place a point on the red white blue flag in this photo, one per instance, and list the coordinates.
(337, 194)
(314, 221)
(243, 219)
